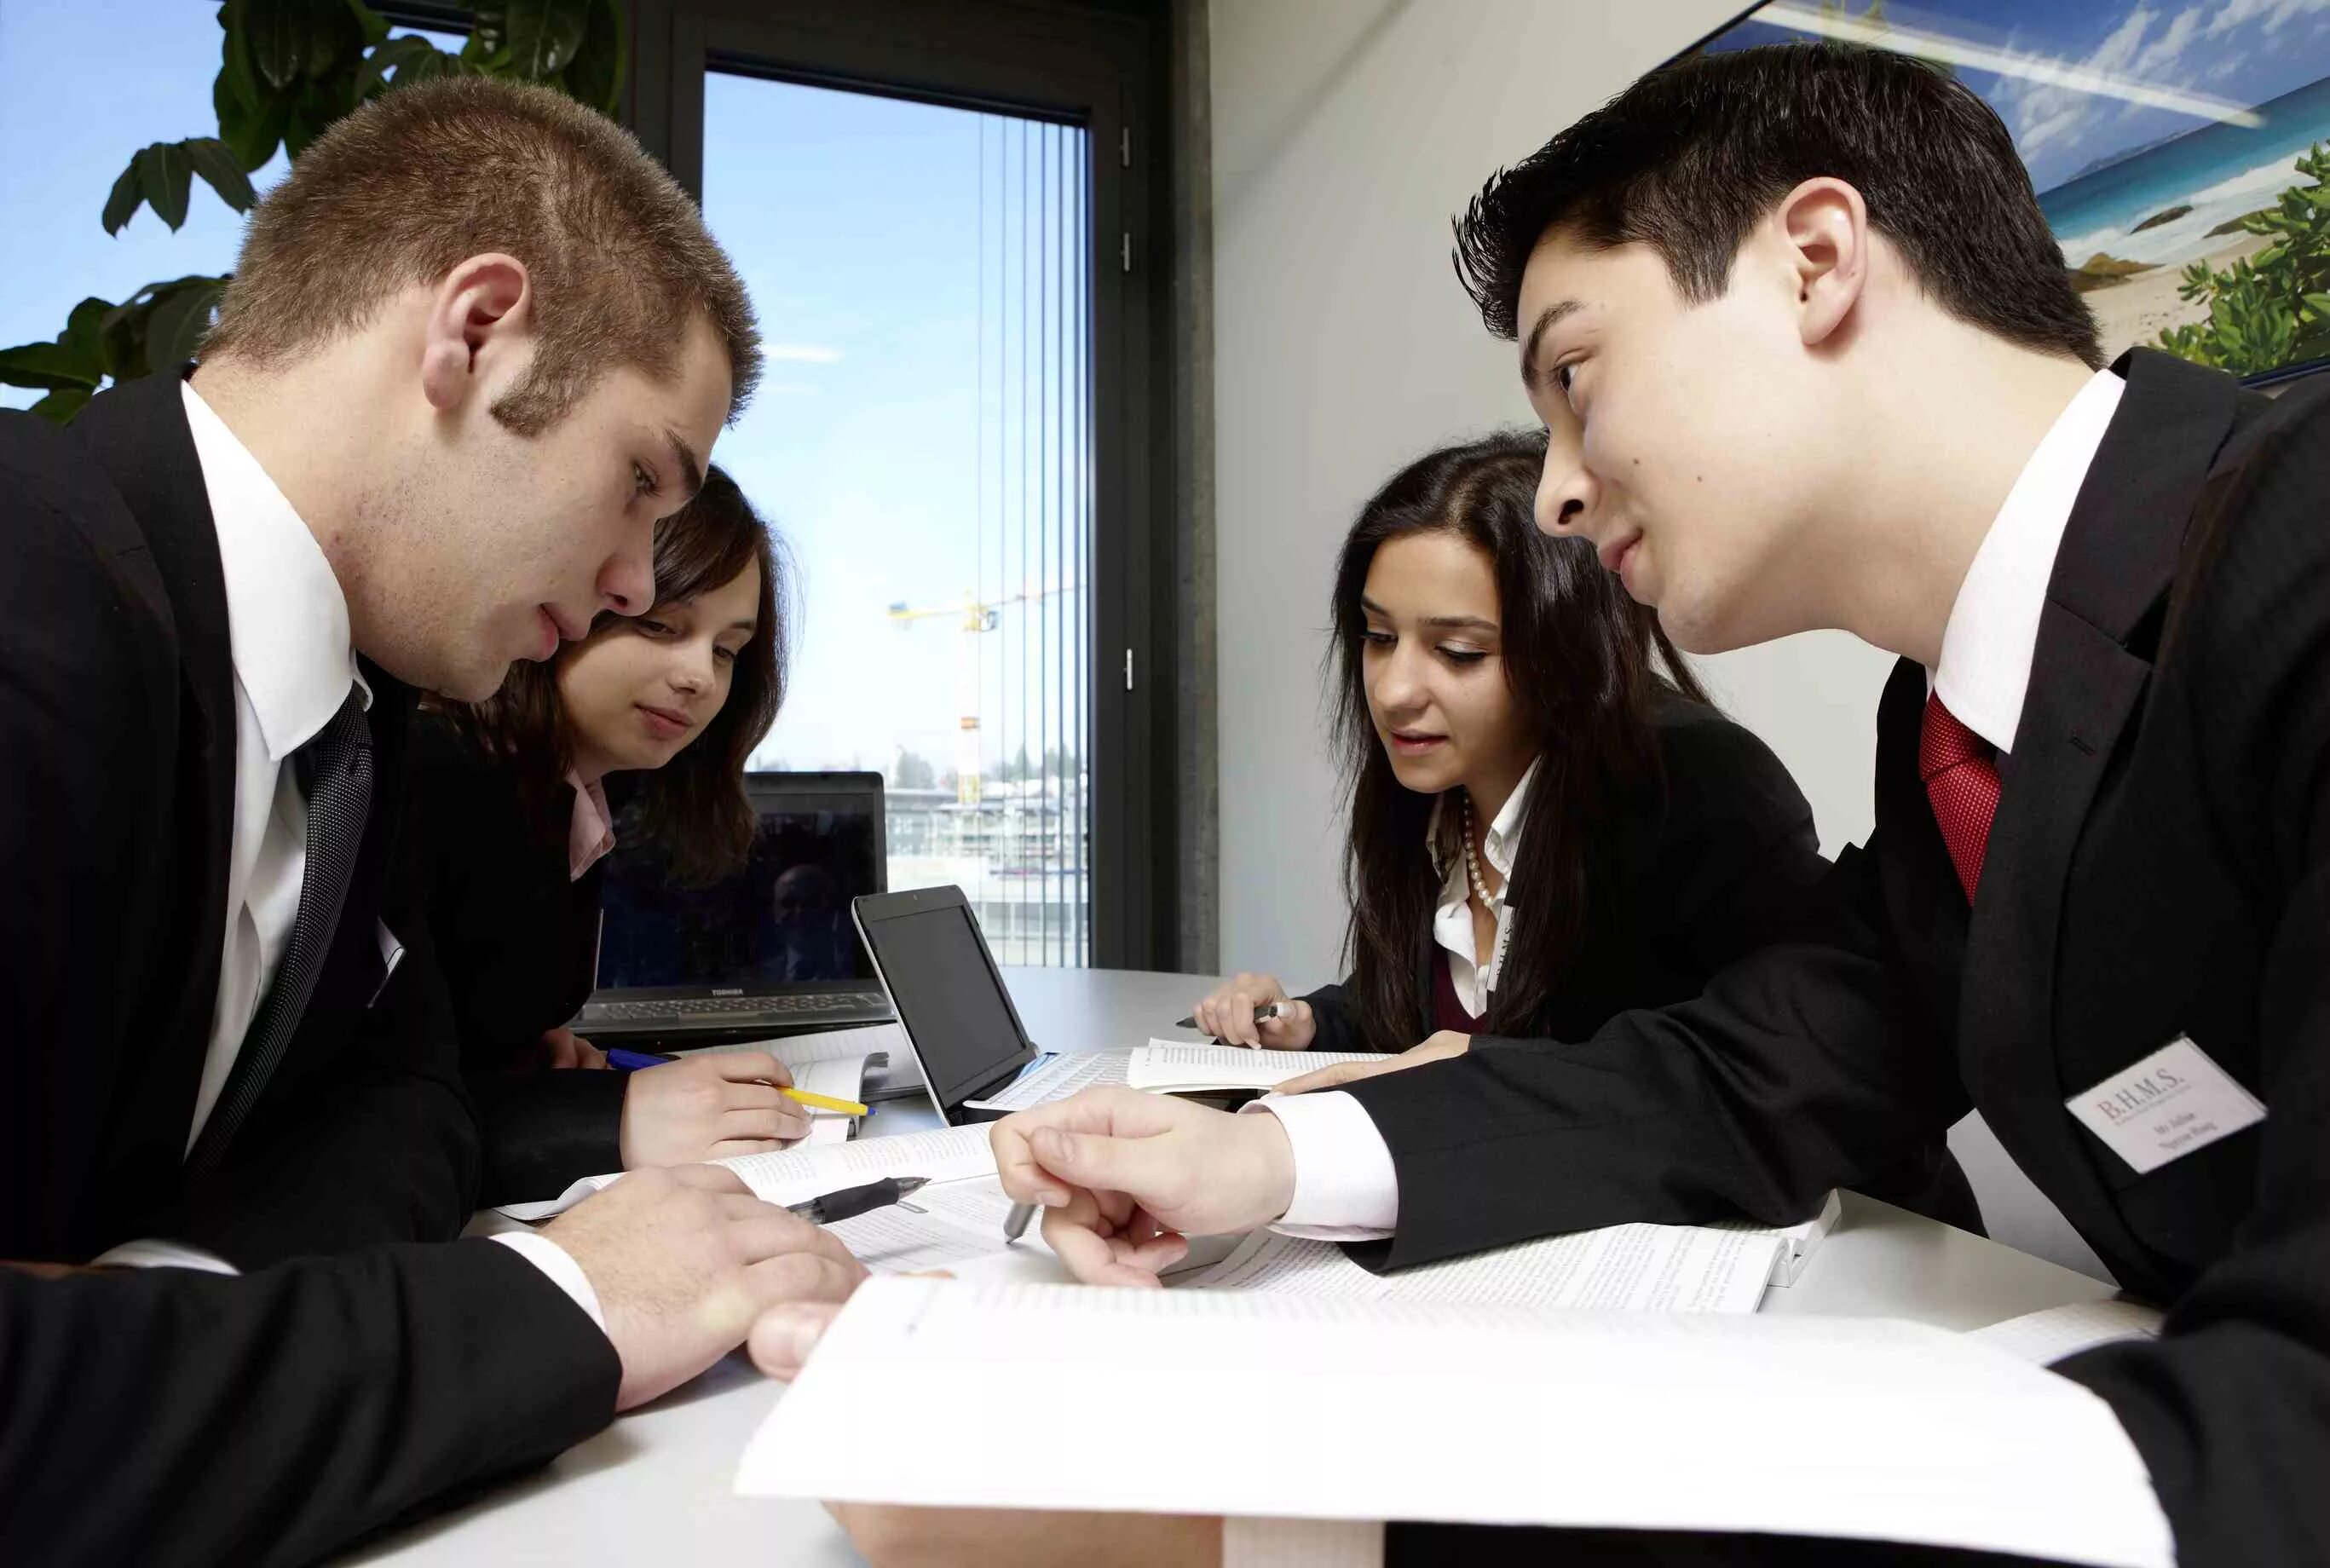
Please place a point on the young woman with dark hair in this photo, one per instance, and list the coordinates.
(509, 798)
(1550, 822)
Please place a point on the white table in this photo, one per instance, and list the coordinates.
(654, 1487)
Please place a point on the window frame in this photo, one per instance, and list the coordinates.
(1095, 66)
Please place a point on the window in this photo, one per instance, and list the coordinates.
(928, 205)
(920, 273)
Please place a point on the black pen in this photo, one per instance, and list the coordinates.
(851, 1202)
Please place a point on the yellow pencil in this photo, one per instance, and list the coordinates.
(824, 1103)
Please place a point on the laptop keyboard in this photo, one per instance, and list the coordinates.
(727, 1006)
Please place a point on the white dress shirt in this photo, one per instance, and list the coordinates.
(1452, 922)
(294, 664)
(1345, 1187)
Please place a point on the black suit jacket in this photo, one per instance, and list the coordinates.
(2159, 866)
(1716, 859)
(270, 1417)
(517, 939)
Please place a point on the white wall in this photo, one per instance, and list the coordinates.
(1346, 134)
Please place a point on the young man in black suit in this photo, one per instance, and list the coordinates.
(476, 345)
(1811, 359)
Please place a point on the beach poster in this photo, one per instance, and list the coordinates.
(2181, 152)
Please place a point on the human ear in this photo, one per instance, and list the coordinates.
(480, 313)
(1824, 225)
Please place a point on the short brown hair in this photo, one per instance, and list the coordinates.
(1692, 155)
(411, 185)
(694, 806)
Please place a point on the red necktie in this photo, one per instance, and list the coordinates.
(1962, 782)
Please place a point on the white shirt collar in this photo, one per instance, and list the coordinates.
(1499, 844)
(287, 619)
(1994, 626)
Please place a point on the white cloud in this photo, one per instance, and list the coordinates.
(2275, 13)
(800, 353)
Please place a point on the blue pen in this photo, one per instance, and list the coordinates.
(623, 1060)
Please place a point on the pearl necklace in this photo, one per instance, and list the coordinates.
(1479, 883)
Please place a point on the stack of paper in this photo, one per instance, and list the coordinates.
(1822, 1426)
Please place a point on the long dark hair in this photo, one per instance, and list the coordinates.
(1578, 659)
(694, 806)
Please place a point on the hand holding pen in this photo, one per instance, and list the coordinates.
(1255, 1011)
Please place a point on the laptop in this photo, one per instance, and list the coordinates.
(770, 950)
(962, 1030)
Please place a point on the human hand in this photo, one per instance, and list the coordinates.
(1124, 1177)
(1227, 1015)
(1445, 1044)
(891, 1536)
(685, 1260)
(563, 1047)
(708, 1108)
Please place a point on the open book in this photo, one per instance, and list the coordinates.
(1168, 1068)
(1825, 1426)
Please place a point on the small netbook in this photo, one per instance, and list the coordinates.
(770, 950)
(931, 959)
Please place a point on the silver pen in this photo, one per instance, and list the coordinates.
(1015, 1224)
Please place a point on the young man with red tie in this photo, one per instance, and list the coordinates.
(1810, 358)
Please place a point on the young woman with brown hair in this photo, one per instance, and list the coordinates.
(509, 802)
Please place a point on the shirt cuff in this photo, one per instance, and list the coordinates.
(555, 1262)
(147, 1253)
(1345, 1188)
(1301, 1543)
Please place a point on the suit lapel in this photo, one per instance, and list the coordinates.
(2113, 572)
(138, 434)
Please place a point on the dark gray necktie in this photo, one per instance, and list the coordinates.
(334, 774)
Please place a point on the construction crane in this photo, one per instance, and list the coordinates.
(975, 617)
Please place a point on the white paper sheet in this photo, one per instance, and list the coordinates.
(839, 1077)
(1174, 1069)
(2046, 1336)
(810, 1169)
(1825, 1426)
(1057, 1077)
(1625, 1268)
(959, 1220)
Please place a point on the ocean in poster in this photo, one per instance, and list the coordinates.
(2220, 171)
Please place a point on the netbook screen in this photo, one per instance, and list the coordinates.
(781, 922)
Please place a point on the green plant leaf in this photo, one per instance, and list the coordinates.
(251, 134)
(488, 28)
(174, 332)
(49, 367)
(221, 170)
(334, 38)
(2319, 304)
(595, 75)
(58, 407)
(237, 76)
(166, 175)
(275, 31)
(543, 34)
(122, 205)
(371, 25)
(411, 57)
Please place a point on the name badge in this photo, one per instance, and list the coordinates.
(2167, 1105)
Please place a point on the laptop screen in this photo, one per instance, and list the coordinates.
(949, 999)
(781, 923)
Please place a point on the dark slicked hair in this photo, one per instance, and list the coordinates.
(1694, 155)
